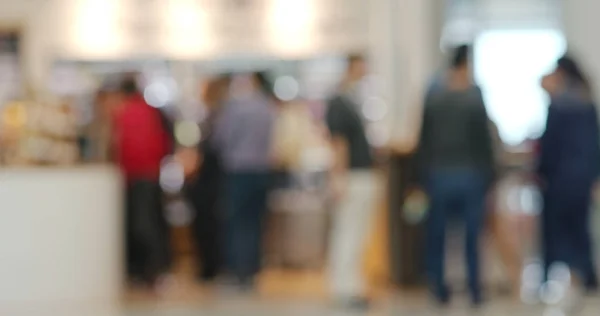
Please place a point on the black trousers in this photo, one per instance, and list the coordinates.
(566, 229)
(148, 251)
(206, 228)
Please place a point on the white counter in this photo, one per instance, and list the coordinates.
(60, 236)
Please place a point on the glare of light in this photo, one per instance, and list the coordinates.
(291, 25)
(286, 88)
(532, 274)
(172, 175)
(187, 133)
(378, 135)
(157, 94)
(554, 312)
(96, 26)
(316, 159)
(531, 281)
(187, 35)
(166, 284)
(374, 109)
(531, 200)
(179, 213)
(552, 292)
(517, 104)
(560, 272)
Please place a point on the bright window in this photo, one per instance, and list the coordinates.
(508, 67)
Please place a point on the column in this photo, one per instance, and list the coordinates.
(405, 52)
(580, 22)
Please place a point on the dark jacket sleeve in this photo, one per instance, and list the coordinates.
(335, 117)
(548, 144)
(484, 138)
(596, 142)
(419, 161)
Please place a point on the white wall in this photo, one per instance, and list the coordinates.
(581, 22)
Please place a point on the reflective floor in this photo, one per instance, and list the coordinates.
(257, 307)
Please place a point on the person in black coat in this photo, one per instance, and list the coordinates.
(568, 167)
(204, 189)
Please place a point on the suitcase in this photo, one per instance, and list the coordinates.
(298, 225)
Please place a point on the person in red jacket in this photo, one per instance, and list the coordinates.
(141, 143)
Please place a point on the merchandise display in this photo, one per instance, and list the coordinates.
(39, 134)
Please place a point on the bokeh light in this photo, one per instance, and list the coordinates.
(188, 133)
(179, 213)
(172, 175)
(157, 94)
(374, 109)
(286, 88)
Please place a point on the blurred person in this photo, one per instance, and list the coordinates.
(354, 183)
(141, 143)
(98, 134)
(500, 222)
(568, 167)
(242, 136)
(204, 189)
(455, 164)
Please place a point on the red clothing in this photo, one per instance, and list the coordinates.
(141, 140)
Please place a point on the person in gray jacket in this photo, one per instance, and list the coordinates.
(455, 164)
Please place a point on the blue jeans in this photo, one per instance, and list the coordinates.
(449, 191)
(246, 210)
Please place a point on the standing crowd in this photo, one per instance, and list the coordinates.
(458, 168)
(251, 142)
(241, 151)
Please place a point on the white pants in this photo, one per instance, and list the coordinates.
(351, 227)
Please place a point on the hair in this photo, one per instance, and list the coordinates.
(354, 58)
(264, 83)
(129, 85)
(215, 88)
(461, 56)
(569, 67)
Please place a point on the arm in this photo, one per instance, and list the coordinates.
(221, 130)
(596, 141)
(422, 151)
(339, 143)
(485, 139)
(548, 144)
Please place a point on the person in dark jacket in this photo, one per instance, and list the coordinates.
(455, 163)
(204, 190)
(568, 166)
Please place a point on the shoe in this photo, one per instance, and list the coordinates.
(591, 286)
(357, 304)
(442, 296)
(477, 301)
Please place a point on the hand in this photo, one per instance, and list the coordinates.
(337, 186)
(190, 160)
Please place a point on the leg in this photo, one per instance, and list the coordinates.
(582, 241)
(134, 269)
(351, 225)
(507, 247)
(206, 228)
(474, 212)
(436, 238)
(547, 235)
(235, 222)
(262, 184)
